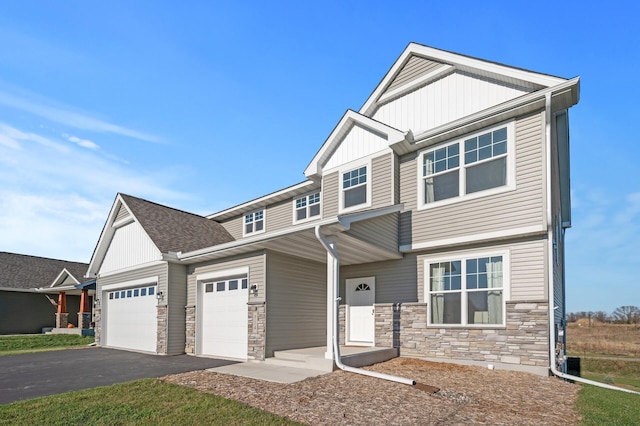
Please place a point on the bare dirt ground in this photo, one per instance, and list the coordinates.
(468, 395)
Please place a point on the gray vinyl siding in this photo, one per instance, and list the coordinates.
(382, 181)
(396, 280)
(296, 303)
(177, 298)
(415, 68)
(159, 270)
(234, 226)
(255, 262)
(330, 195)
(381, 231)
(556, 209)
(512, 209)
(527, 268)
(279, 216)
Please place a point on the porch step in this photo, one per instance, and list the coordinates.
(313, 358)
(371, 357)
(311, 361)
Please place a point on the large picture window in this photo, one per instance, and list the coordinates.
(254, 222)
(466, 291)
(468, 166)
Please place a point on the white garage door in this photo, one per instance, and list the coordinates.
(131, 318)
(224, 318)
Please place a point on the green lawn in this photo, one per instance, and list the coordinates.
(41, 342)
(142, 402)
(600, 406)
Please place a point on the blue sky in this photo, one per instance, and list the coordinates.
(201, 106)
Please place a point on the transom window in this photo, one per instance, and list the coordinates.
(254, 222)
(467, 166)
(354, 187)
(136, 292)
(467, 291)
(230, 284)
(307, 207)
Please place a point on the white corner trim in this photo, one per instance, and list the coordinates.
(414, 84)
(497, 235)
(244, 270)
(132, 283)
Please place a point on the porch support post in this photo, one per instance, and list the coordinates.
(84, 301)
(62, 316)
(332, 276)
(84, 316)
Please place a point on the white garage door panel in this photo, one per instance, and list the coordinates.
(224, 319)
(131, 321)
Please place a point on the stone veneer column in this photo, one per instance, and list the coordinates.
(84, 320)
(342, 321)
(97, 315)
(256, 324)
(190, 324)
(387, 323)
(524, 340)
(161, 339)
(62, 320)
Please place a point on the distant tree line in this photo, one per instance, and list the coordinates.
(622, 315)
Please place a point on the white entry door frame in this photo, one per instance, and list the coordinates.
(360, 319)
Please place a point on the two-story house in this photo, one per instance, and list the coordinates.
(437, 212)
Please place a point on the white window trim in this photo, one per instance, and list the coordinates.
(511, 168)
(463, 256)
(347, 168)
(254, 232)
(308, 218)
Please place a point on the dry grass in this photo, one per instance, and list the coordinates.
(619, 340)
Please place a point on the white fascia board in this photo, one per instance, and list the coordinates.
(499, 113)
(347, 219)
(267, 236)
(60, 275)
(264, 200)
(55, 290)
(393, 136)
(105, 237)
(456, 60)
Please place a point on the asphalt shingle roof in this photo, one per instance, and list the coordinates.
(176, 230)
(24, 271)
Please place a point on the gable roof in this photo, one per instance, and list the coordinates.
(173, 230)
(21, 271)
(170, 230)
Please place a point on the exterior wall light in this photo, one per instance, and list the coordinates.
(159, 295)
(253, 290)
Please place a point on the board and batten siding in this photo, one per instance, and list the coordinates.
(415, 68)
(177, 300)
(522, 207)
(382, 181)
(255, 262)
(527, 268)
(129, 246)
(358, 142)
(444, 100)
(396, 280)
(296, 303)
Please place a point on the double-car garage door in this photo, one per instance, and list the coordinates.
(223, 317)
(131, 318)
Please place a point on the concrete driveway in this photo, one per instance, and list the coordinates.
(47, 373)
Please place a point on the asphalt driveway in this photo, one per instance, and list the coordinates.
(32, 375)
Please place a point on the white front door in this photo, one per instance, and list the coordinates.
(361, 295)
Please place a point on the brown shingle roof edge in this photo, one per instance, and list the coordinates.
(23, 271)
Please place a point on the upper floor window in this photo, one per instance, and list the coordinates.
(467, 291)
(307, 207)
(254, 222)
(354, 187)
(481, 162)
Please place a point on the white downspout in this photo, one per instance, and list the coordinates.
(552, 343)
(336, 346)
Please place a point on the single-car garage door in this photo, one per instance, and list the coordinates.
(224, 318)
(131, 318)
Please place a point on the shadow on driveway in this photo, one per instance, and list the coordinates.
(32, 375)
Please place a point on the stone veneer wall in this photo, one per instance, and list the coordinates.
(163, 318)
(342, 332)
(190, 324)
(524, 340)
(97, 317)
(257, 321)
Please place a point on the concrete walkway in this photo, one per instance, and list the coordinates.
(268, 372)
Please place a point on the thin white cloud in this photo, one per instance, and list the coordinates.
(49, 110)
(85, 143)
(12, 136)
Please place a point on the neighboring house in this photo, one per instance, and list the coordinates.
(439, 208)
(24, 309)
